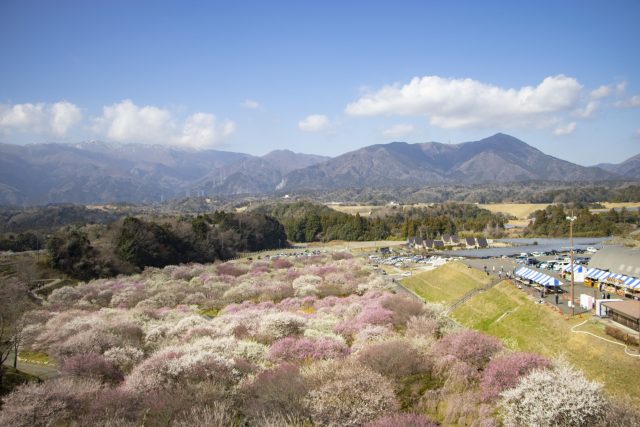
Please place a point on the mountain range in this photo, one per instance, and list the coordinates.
(98, 172)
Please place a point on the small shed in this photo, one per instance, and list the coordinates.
(626, 313)
(482, 242)
(438, 244)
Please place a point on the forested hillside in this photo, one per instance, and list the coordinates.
(307, 221)
(132, 244)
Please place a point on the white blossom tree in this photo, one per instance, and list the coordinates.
(553, 397)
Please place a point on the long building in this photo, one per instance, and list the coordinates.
(618, 260)
(615, 269)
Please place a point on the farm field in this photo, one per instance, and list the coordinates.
(520, 210)
(367, 210)
(447, 283)
(509, 314)
(622, 205)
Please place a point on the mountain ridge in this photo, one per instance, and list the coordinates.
(498, 158)
(629, 168)
(99, 172)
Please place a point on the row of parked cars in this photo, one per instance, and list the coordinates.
(557, 264)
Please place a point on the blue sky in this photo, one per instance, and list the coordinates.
(323, 77)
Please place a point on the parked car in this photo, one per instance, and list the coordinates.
(592, 249)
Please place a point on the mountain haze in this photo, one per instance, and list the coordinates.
(98, 172)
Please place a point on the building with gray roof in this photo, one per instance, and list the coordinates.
(617, 259)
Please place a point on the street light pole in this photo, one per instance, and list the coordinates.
(571, 219)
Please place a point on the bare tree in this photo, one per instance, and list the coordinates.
(14, 302)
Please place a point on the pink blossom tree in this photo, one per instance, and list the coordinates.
(471, 347)
(91, 365)
(297, 349)
(504, 372)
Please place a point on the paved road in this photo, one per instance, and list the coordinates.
(44, 372)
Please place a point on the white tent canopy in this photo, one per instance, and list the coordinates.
(626, 281)
(538, 277)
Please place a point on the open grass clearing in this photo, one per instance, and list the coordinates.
(367, 210)
(446, 284)
(539, 328)
(363, 210)
(519, 210)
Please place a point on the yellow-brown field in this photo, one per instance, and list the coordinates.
(622, 205)
(520, 210)
(367, 210)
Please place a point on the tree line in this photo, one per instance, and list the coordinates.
(552, 221)
(307, 222)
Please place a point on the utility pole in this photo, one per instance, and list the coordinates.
(571, 219)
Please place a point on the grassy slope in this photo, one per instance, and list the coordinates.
(532, 327)
(447, 283)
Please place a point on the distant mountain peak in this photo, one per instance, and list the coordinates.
(99, 172)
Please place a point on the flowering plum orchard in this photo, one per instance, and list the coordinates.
(322, 340)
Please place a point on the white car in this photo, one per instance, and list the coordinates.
(592, 249)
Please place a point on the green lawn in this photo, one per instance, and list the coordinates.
(446, 284)
(506, 312)
(33, 357)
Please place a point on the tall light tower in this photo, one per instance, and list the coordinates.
(571, 219)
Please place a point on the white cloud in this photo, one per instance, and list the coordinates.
(462, 103)
(587, 111)
(565, 129)
(601, 92)
(53, 119)
(314, 123)
(398, 131)
(633, 102)
(127, 122)
(621, 87)
(201, 130)
(251, 104)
